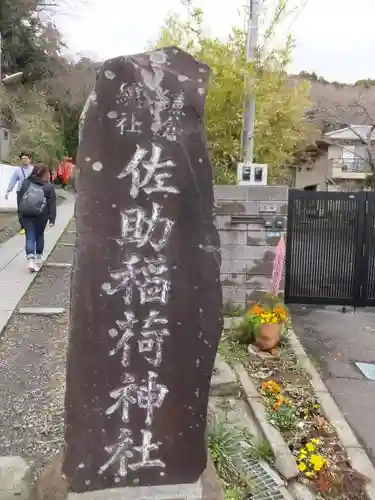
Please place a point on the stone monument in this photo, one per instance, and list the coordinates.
(146, 297)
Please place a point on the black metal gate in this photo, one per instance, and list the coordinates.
(330, 251)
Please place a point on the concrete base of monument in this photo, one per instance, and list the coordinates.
(173, 492)
(53, 486)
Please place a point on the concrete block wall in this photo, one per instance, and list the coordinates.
(248, 249)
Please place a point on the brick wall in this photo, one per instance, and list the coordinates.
(248, 248)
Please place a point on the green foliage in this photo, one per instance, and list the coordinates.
(367, 83)
(229, 448)
(223, 442)
(246, 331)
(262, 452)
(279, 128)
(232, 448)
(232, 350)
(68, 117)
(33, 126)
(30, 44)
(232, 310)
(284, 418)
(233, 492)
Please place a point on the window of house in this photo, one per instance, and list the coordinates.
(348, 157)
(348, 153)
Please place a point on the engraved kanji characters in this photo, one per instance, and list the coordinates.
(146, 278)
(130, 93)
(145, 451)
(154, 180)
(172, 126)
(123, 451)
(153, 332)
(128, 123)
(154, 288)
(124, 397)
(120, 452)
(125, 279)
(137, 227)
(147, 396)
(123, 343)
(153, 338)
(151, 396)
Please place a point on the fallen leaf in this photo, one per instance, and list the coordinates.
(323, 482)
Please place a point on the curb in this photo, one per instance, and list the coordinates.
(355, 452)
(284, 459)
(224, 382)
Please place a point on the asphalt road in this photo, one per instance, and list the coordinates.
(335, 341)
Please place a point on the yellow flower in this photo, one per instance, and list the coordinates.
(302, 467)
(309, 474)
(315, 441)
(318, 462)
(310, 447)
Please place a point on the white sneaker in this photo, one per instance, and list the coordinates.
(33, 268)
(39, 260)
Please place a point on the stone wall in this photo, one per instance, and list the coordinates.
(247, 245)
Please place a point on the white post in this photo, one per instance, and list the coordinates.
(249, 107)
(1, 56)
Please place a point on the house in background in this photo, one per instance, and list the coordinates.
(341, 164)
(4, 140)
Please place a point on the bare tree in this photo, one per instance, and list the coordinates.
(336, 106)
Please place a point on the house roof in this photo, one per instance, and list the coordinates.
(350, 133)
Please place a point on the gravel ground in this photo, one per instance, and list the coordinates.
(32, 371)
(9, 226)
(49, 289)
(62, 254)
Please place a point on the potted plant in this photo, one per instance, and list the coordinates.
(270, 319)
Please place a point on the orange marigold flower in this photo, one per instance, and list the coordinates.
(270, 387)
(256, 309)
(281, 311)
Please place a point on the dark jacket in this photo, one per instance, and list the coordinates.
(49, 212)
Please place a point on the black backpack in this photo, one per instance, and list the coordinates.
(33, 202)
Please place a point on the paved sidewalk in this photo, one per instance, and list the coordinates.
(335, 341)
(15, 278)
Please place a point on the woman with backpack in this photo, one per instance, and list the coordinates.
(37, 207)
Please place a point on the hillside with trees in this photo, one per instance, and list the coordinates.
(292, 112)
(43, 109)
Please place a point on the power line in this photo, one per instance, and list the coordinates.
(299, 12)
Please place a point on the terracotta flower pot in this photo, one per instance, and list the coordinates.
(268, 336)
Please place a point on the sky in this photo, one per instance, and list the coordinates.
(334, 38)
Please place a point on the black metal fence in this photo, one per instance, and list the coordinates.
(330, 253)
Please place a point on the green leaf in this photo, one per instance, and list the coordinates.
(279, 129)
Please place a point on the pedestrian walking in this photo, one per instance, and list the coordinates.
(19, 175)
(37, 208)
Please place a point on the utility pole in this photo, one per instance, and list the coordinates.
(1, 57)
(247, 143)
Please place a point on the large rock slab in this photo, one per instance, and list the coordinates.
(146, 299)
